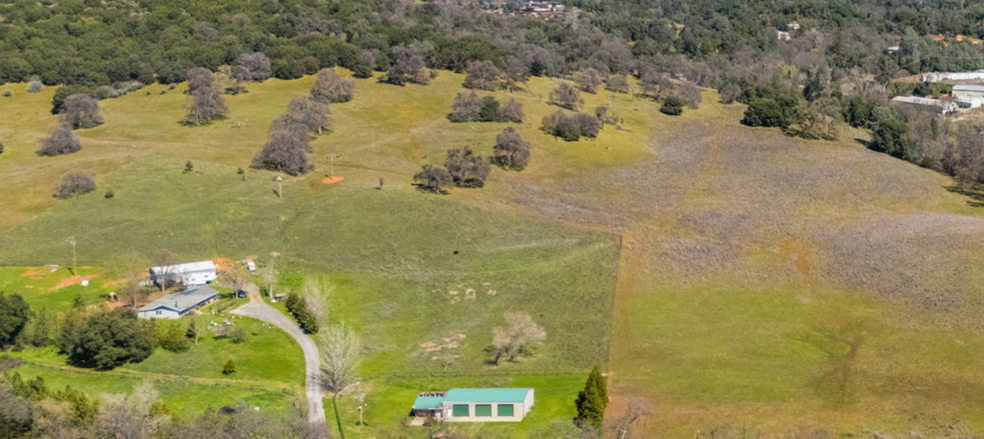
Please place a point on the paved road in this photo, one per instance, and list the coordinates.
(258, 309)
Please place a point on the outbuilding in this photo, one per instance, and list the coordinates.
(475, 405)
(173, 306)
(188, 274)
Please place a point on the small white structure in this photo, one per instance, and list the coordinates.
(250, 266)
(793, 26)
(970, 96)
(173, 306)
(782, 35)
(187, 274)
(976, 75)
(935, 106)
(475, 405)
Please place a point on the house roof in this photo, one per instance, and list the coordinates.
(962, 87)
(428, 401)
(188, 267)
(182, 301)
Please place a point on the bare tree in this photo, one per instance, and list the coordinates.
(164, 260)
(408, 66)
(518, 338)
(606, 115)
(132, 293)
(287, 150)
(81, 111)
(433, 179)
(207, 103)
(466, 167)
(74, 184)
(482, 75)
(311, 113)
(512, 111)
(466, 107)
(511, 151)
(690, 93)
(589, 80)
(130, 416)
(567, 96)
(258, 65)
(637, 410)
(617, 84)
(61, 141)
(341, 354)
(235, 278)
(517, 72)
(315, 293)
(329, 87)
(196, 328)
(730, 93)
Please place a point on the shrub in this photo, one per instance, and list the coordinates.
(672, 106)
(765, 112)
(567, 96)
(297, 306)
(109, 194)
(74, 184)
(171, 337)
(14, 314)
(229, 368)
(1, 148)
(7, 93)
(571, 127)
(237, 335)
(618, 84)
(606, 115)
(35, 85)
(61, 141)
(511, 151)
(81, 111)
(730, 93)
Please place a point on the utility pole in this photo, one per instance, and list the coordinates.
(75, 266)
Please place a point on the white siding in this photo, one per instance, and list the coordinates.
(159, 314)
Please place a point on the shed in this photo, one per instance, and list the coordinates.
(173, 306)
(475, 405)
(188, 274)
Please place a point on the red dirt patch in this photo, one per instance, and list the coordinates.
(332, 180)
(223, 264)
(36, 273)
(73, 280)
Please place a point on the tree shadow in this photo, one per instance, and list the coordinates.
(975, 193)
(863, 143)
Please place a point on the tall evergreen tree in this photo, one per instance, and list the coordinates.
(591, 402)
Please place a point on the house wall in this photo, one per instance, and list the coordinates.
(159, 314)
(975, 98)
(519, 410)
(198, 278)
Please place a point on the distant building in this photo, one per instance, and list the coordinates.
(969, 96)
(188, 274)
(173, 306)
(935, 106)
(782, 35)
(793, 26)
(892, 49)
(475, 405)
(542, 9)
(976, 75)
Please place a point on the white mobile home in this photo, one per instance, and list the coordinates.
(173, 306)
(188, 274)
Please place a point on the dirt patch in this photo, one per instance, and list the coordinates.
(37, 273)
(332, 180)
(223, 264)
(73, 280)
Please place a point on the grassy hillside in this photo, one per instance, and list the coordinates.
(723, 274)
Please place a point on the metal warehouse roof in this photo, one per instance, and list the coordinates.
(189, 267)
(962, 87)
(433, 400)
(487, 395)
(182, 301)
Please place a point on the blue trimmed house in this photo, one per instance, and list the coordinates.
(475, 405)
(173, 306)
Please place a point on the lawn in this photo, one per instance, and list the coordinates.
(269, 371)
(55, 289)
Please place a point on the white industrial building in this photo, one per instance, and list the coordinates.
(976, 75)
(969, 96)
(935, 106)
(187, 274)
